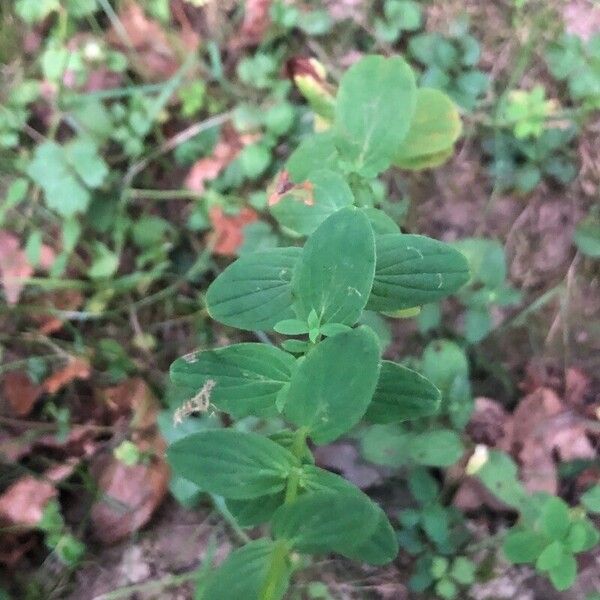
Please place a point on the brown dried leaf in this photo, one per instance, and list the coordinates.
(153, 56)
(23, 502)
(208, 168)
(228, 230)
(61, 300)
(131, 495)
(76, 368)
(14, 266)
(255, 24)
(490, 424)
(542, 426)
(344, 458)
(472, 495)
(577, 386)
(20, 393)
(132, 398)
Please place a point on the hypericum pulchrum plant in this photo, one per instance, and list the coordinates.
(329, 375)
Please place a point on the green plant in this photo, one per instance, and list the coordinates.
(414, 444)
(549, 534)
(57, 538)
(523, 163)
(450, 64)
(487, 288)
(577, 62)
(436, 535)
(587, 234)
(398, 16)
(329, 375)
(527, 112)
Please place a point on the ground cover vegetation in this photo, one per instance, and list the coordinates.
(299, 300)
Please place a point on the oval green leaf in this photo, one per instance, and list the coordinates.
(521, 546)
(386, 445)
(247, 377)
(322, 522)
(331, 389)
(374, 108)
(382, 545)
(334, 276)
(254, 511)
(231, 463)
(244, 573)
(302, 216)
(255, 291)
(314, 153)
(440, 448)
(402, 394)
(435, 126)
(413, 270)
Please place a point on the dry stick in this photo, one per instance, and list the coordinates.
(562, 314)
(156, 584)
(46, 426)
(173, 142)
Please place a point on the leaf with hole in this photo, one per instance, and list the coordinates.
(247, 377)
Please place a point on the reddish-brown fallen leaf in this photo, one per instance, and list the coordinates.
(23, 502)
(254, 26)
(228, 230)
(66, 300)
(81, 442)
(76, 368)
(189, 36)
(577, 386)
(14, 266)
(20, 392)
(344, 458)
(131, 495)
(541, 429)
(208, 168)
(132, 398)
(154, 56)
(490, 424)
(530, 441)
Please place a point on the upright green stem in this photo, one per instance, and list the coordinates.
(281, 551)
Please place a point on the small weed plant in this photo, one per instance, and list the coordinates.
(548, 534)
(328, 374)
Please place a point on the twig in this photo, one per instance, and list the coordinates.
(221, 507)
(156, 584)
(173, 142)
(136, 193)
(44, 426)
